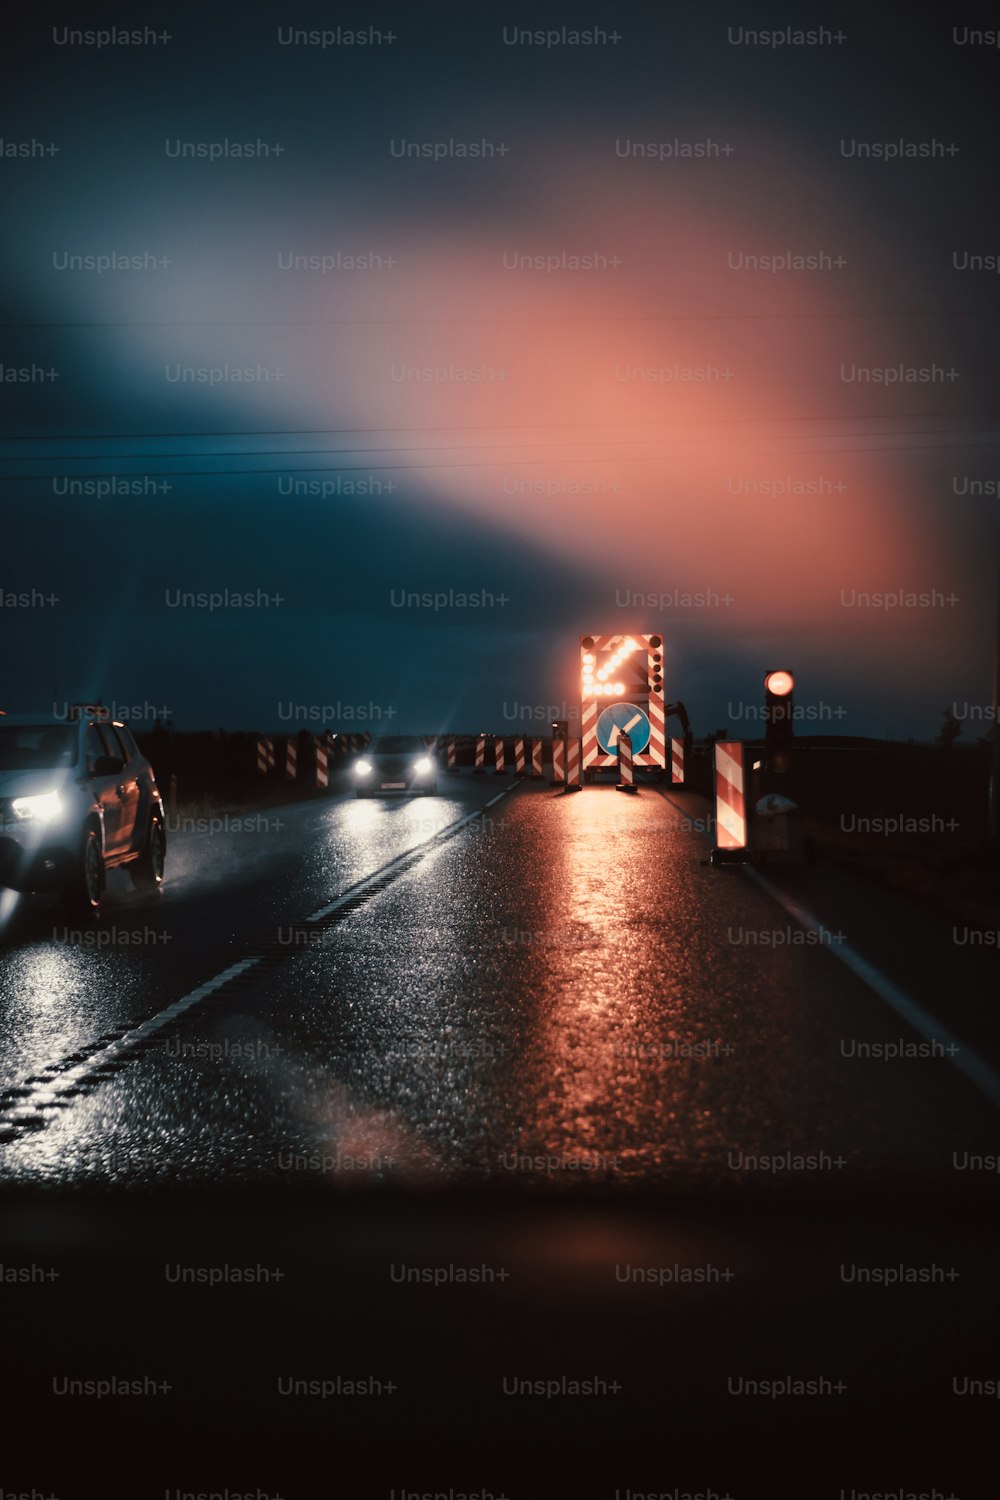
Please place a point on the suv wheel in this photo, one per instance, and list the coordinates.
(84, 890)
(147, 870)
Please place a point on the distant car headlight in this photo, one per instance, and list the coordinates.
(42, 808)
(362, 768)
(423, 766)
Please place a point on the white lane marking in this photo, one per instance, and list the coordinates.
(965, 1059)
(54, 1089)
(408, 857)
(45, 1094)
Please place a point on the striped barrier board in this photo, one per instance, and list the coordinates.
(322, 776)
(479, 769)
(572, 764)
(500, 768)
(291, 760)
(657, 751)
(536, 759)
(676, 761)
(265, 755)
(625, 771)
(452, 755)
(730, 797)
(558, 760)
(519, 756)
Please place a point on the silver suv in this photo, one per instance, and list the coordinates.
(77, 798)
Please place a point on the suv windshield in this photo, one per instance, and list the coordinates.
(397, 744)
(36, 747)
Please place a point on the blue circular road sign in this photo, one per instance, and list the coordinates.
(623, 718)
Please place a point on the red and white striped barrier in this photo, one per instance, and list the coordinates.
(452, 755)
(265, 755)
(572, 764)
(625, 771)
(656, 750)
(500, 766)
(676, 761)
(558, 760)
(536, 759)
(731, 832)
(322, 776)
(519, 756)
(479, 769)
(291, 760)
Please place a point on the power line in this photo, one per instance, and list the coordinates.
(979, 315)
(45, 458)
(45, 437)
(485, 464)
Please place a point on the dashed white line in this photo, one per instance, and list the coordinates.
(53, 1090)
(409, 856)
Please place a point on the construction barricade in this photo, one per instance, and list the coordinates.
(676, 761)
(731, 830)
(626, 771)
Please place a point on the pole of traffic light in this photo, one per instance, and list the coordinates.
(994, 796)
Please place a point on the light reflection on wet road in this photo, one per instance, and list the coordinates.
(562, 994)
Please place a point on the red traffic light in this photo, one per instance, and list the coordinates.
(779, 683)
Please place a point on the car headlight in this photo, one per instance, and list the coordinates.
(423, 765)
(362, 768)
(42, 808)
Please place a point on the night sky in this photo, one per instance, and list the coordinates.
(555, 373)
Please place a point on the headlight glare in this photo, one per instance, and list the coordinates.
(42, 808)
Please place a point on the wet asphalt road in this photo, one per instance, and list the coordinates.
(551, 1043)
(559, 994)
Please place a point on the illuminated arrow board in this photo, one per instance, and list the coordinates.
(625, 673)
(616, 667)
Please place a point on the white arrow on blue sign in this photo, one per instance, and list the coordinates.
(622, 718)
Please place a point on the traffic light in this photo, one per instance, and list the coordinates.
(780, 732)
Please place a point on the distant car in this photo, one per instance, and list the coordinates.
(77, 798)
(395, 763)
